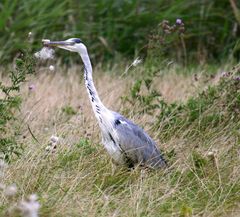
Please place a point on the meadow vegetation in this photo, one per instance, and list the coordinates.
(49, 139)
(198, 132)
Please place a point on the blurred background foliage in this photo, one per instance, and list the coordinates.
(123, 28)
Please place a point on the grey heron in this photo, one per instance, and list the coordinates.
(126, 143)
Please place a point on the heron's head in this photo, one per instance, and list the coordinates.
(72, 44)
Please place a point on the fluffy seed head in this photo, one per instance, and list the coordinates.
(45, 53)
(54, 139)
(51, 68)
(30, 207)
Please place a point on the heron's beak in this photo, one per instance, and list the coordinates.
(66, 45)
(47, 42)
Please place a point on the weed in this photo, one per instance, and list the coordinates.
(147, 102)
(68, 110)
(215, 105)
(162, 39)
(10, 103)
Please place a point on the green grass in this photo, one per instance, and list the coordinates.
(110, 27)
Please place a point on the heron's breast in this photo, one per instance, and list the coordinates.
(113, 150)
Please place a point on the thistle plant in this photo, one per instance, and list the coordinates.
(164, 37)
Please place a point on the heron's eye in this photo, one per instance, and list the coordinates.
(77, 40)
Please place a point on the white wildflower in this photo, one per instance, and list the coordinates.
(45, 53)
(51, 68)
(10, 190)
(54, 139)
(136, 61)
(30, 207)
(29, 34)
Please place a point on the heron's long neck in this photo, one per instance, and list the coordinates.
(97, 104)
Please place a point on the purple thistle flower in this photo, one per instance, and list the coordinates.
(178, 21)
(237, 78)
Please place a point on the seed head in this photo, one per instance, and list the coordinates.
(51, 68)
(45, 53)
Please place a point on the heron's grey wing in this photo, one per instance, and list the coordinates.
(137, 144)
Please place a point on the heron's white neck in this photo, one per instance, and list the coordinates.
(97, 104)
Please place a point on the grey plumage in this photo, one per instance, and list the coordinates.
(137, 145)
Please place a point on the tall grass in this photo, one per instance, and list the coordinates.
(110, 27)
(200, 141)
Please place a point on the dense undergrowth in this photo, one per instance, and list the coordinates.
(208, 123)
(109, 27)
(216, 105)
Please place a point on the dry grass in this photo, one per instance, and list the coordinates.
(77, 179)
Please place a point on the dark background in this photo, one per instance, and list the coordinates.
(113, 28)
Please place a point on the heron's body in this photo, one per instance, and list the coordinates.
(125, 142)
(129, 145)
